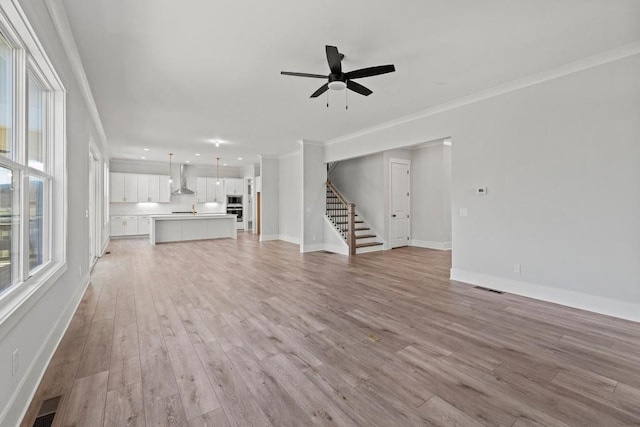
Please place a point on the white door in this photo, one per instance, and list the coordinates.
(399, 222)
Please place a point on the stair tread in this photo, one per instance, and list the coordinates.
(365, 236)
(364, 245)
(361, 228)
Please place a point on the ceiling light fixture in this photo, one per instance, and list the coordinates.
(187, 161)
(143, 157)
(239, 158)
(146, 149)
(337, 85)
(197, 154)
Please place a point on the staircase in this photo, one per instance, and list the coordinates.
(351, 226)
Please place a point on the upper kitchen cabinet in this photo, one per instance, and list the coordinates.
(123, 188)
(233, 186)
(210, 190)
(132, 188)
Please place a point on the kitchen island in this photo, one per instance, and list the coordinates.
(181, 227)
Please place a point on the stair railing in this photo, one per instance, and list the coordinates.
(342, 215)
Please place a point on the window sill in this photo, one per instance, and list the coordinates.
(19, 299)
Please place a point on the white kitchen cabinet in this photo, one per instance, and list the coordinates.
(164, 194)
(124, 225)
(132, 188)
(143, 188)
(209, 191)
(124, 188)
(233, 186)
(116, 188)
(215, 190)
(201, 189)
(143, 224)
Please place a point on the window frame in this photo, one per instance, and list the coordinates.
(29, 58)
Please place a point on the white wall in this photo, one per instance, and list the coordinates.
(561, 162)
(36, 331)
(314, 197)
(361, 181)
(270, 198)
(431, 196)
(290, 197)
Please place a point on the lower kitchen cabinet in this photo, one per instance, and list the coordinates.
(125, 225)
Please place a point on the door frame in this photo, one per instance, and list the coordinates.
(390, 197)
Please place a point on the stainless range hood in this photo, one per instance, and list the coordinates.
(183, 182)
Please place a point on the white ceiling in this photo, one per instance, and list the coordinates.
(168, 75)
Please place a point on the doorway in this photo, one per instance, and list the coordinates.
(94, 211)
(399, 202)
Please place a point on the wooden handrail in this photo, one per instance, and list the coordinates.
(351, 221)
(337, 193)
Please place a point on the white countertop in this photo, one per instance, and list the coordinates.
(190, 216)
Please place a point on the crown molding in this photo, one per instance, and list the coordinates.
(61, 24)
(268, 157)
(290, 154)
(553, 73)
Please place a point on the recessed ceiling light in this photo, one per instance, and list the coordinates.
(187, 161)
(217, 144)
(146, 149)
(224, 164)
(143, 157)
(197, 154)
(239, 158)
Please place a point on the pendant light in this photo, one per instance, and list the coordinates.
(170, 170)
(217, 170)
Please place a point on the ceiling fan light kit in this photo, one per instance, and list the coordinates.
(337, 80)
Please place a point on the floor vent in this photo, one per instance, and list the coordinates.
(47, 412)
(489, 290)
(107, 253)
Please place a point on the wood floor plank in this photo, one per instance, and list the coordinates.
(124, 407)
(198, 396)
(86, 401)
(236, 399)
(292, 339)
(97, 353)
(158, 380)
(165, 412)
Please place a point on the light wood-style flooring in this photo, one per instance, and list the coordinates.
(244, 333)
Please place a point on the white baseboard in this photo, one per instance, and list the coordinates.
(269, 237)
(289, 239)
(594, 303)
(104, 245)
(312, 248)
(443, 246)
(19, 403)
(336, 249)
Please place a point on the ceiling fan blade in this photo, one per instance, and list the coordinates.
(333, 58)
(357, 87)
(289, 73)
(370, 71)
(323, 89)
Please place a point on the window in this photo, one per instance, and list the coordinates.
(31, 162)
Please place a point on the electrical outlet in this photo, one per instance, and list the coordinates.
(15, 361)
(516, 268)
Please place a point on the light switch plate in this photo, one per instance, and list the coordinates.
(481, 191)
(464, 212)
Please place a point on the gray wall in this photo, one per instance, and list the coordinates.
(290, 197)
(560, 160)
(270, 198)
(431, 196)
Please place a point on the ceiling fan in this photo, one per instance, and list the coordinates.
(338, 80)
